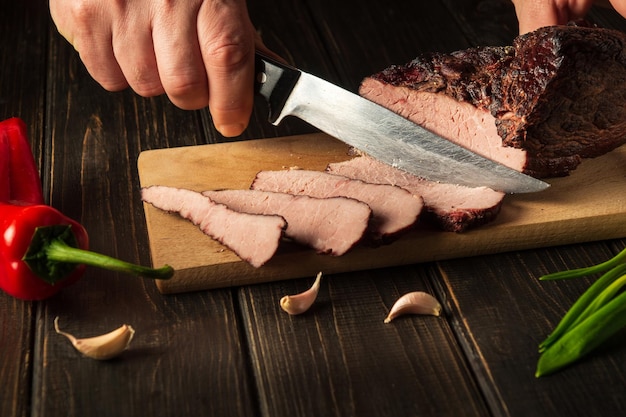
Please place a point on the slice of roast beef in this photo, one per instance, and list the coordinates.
(253, 237)
(555, 96)
(329, 225)
(394, 209)
(451, 207)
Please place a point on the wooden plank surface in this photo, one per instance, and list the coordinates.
(186, 358)
(506, 312)
(341, 358)
(583, 207)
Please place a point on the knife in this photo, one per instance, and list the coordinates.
(379, 132)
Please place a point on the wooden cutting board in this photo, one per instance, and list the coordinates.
(588, 205)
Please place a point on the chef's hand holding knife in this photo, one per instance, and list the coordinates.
(198, 52)
(533, 14)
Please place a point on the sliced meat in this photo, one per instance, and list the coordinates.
(329, 225)
(451, 207)
(555, 96)
(253, 237)
(393, 209)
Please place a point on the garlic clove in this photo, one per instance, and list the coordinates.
(416, 302)
(101, 347)
(299, 303)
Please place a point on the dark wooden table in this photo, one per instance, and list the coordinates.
(232, 352)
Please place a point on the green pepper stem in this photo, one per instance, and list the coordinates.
(59, 251)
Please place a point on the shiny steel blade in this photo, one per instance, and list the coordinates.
(396, 141)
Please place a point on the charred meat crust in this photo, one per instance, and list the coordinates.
(558, 93)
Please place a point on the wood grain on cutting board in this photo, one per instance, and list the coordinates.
(588, 205)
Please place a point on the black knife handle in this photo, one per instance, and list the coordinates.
(274, 81)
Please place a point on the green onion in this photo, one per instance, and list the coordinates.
(581, 308)
(585, 337)
(619, 259)
(596, 316)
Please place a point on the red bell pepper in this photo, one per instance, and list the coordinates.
(5, 181)
(41, 250)
(20, 176)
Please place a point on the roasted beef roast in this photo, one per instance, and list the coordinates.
(557, 95)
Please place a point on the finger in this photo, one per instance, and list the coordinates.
(619, 6)
(87, 28)
(534, 14)
(134, 52)
(577, 10)
(99, 59)
(179, 59)
(226, 39)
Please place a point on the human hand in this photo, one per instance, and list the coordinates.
(533, 14)
(198, 52)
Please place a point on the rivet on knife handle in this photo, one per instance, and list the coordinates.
(274, 81)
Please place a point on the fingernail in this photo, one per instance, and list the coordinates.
(231, 130)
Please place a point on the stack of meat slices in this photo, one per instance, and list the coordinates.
(330, 226)
(450, 207)
(394, 209)
(326, 212)
(357, 201)
(252, 237)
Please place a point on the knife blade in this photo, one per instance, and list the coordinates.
(379, 132)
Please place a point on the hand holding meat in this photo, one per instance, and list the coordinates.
(533, 14)
(198, 52)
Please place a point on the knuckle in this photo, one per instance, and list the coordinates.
(104, 73)
(147, 87)
(231, 49)
(187, 92)
(71, 18)
(143, 78)
(83, 12)
(228, 55)
(148, 90)
(112, 84)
